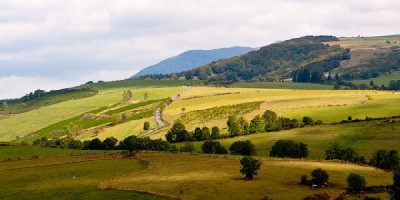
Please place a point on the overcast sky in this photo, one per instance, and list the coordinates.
(50, 44)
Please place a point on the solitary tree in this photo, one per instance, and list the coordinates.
(250, 167)
(356, 183)
(319, 177)
(307, 120)
(146, 126)
(146, 96)
(395, 189)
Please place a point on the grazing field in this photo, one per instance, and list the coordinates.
(67, 177)
(377, 106)
(381, 80)
(120, 131)
(22, 152)
(204, 106)
(144, 83)
(281, 85)
(188, 176)
(26, 123)
(363, 137)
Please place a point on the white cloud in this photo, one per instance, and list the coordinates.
(66, 41)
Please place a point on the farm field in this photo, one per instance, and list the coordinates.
(67, 177)
(381, 80)
(16, 152)
(120, 131)
(26, 123)
(203, 106)
(364, 137)
(188, 176)
(281, 85)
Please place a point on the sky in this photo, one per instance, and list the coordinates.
(52, 44)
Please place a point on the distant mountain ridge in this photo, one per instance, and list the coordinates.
(191, 59)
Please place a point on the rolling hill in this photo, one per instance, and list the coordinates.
(190, 59)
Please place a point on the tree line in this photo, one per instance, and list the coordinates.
(267, 122)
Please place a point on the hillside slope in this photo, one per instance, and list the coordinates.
(274, 62)
(190, 59)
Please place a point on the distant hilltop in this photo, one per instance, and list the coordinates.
(191, 59)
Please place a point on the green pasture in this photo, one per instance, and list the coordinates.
(381, 80)
(363, 137)
(281, 85)
(71, 177)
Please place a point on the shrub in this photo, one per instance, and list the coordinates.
(319, 177)
(322, 196)
(304, 180)
(245, 148)
(188, 147)
(395, 188)
(250, 167)
(288, 148)
(213, 147)
(356, 183)
(384, 159)
(146, 125)
(307, 120)
(335, 151)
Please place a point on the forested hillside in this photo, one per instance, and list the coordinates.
(274, 62)
(191, 59)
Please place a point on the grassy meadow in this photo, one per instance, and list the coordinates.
(66, 177)
(363, 137)
(381, 80)
(281, 85)
(25, 123)
(188, 176)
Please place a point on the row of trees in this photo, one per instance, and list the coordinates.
(269, 121)
(131, 144)
(289, 149)
(383, 159)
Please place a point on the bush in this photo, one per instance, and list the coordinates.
(395, 188)
(188, 147)
(335, 151)
(307, 120)
(250, 167)
(146, 126)
(322, 196)
(245, 148)
(356, 183)
(304, 180)
(384, 159)
(319, 177)
(213, 147)
(288, 148)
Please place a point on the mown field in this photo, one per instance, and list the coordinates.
(381, 80)
(203, 106)
(188, 176)
(363, 137)
(25, 123)
(66, 177)
(281, 85)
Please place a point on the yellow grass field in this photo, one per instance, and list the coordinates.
(325, 105)
(120, 131)
(188, 176)
(26, 123)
